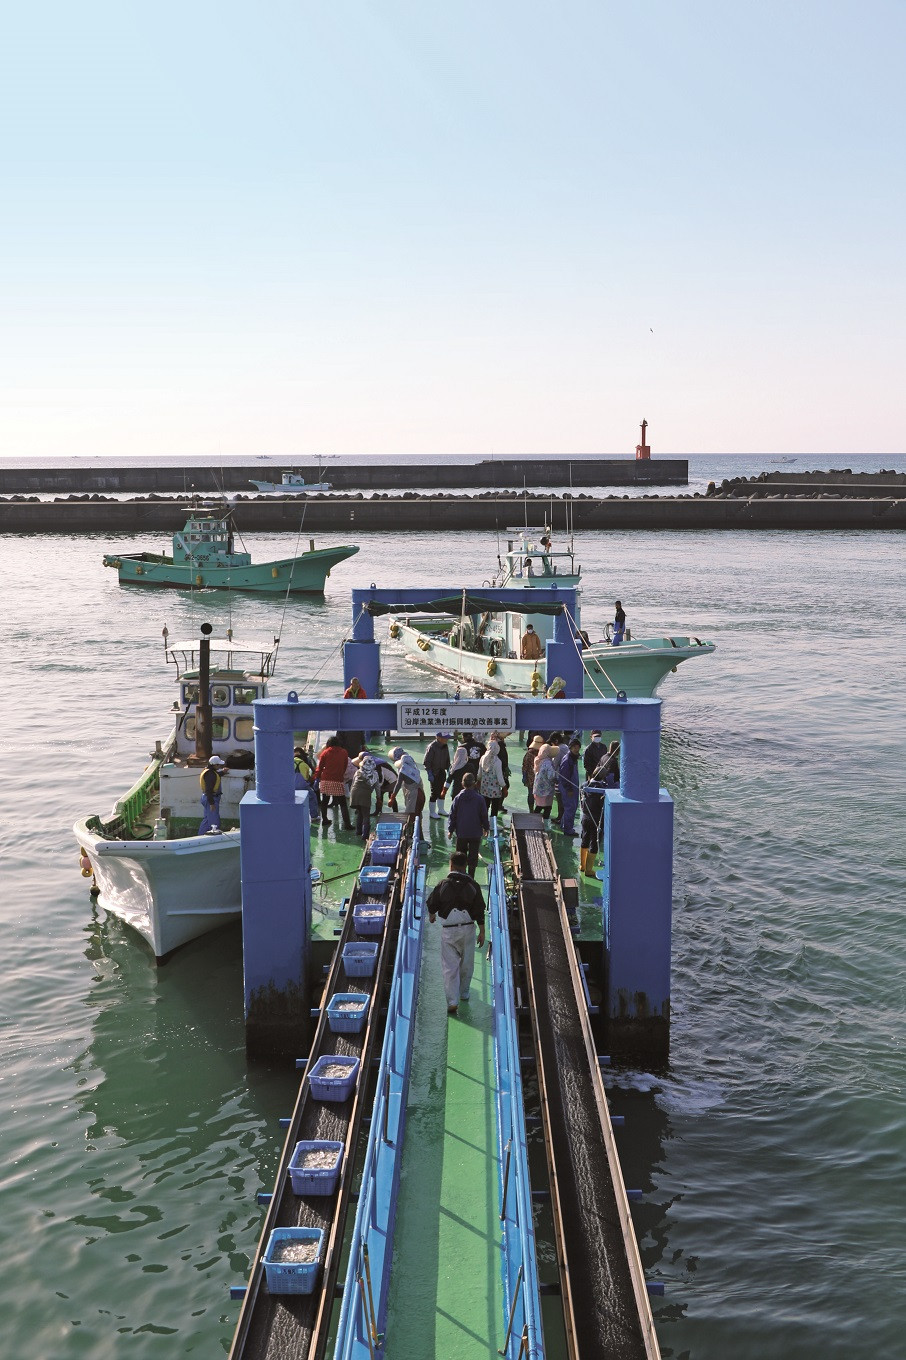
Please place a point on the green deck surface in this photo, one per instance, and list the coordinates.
(446, 1294)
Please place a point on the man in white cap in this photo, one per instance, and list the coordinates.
(210, 795)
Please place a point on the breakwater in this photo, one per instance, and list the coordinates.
(502, 474)
(730, 508)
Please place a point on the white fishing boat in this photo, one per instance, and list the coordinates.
(292, 484)
(483, 645)
(151, 867)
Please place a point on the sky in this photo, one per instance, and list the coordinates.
(397, 227)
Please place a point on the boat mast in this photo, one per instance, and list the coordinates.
(203, 716)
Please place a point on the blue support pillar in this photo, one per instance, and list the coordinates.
(564, 658)
(638, 891)
(362, 655)
(276, 892)
(638, 895)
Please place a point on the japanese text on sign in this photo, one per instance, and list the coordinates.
(463, 715)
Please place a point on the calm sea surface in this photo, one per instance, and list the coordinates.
(134, 1136)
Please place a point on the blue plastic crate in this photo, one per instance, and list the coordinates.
(315, 1180)
(290, 1277)
(347, 1022)
(359, 960)
(384, 852)
(374, 881)
(369, 925)
(389, 831)
(333, 1088)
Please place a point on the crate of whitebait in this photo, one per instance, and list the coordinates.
(368, 918)
(314, 1167)
(359, 960)
(333, 1077)
(293, 1259)
(346, 1012)
(390, 833)
(374, 882)
(384, 852)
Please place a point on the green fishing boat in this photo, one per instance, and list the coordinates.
(204, 557)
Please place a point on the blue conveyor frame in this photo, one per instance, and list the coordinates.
(360, 1331)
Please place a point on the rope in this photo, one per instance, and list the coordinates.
(293, 568)
(342, 643)
(578, 648)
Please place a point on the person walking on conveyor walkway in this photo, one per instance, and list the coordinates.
(459, 903)
(469, 821)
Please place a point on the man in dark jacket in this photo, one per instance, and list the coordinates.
(457, 900)
(469, 821)
(569, 787)
(437, 763)
(595, 752)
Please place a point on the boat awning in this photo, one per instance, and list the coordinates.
(463, 604)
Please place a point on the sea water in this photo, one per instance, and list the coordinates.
(135, 1135)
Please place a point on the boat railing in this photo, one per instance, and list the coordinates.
(128, 809)
(364, 1309)
(524, 1335)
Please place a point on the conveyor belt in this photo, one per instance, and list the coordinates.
(606, 1312)
(295, 1326)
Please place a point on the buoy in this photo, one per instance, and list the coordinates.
(139, 571)
(424, 644)
(274, 572)
(394, 630)
(492, 667)
(536, 683)
(84, 863)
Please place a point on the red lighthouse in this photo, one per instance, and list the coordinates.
(643, 450)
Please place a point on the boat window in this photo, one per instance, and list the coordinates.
(190, 694)
(244, 729)
(243, 694)
(220, 696)
(220, 728)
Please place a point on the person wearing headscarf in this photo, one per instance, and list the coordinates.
(528, 767)
(364, 782)
(557, 688)
(545, 782)
(408, 782)
(490, 779)
(465, 761)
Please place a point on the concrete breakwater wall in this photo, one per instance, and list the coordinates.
(503, 474)
(349, 516)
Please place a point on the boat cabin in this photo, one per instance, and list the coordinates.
(208, 541)
(528, 565)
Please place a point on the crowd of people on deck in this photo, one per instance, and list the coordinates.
(563, 783)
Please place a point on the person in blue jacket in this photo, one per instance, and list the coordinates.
(569, 787)
(469, 821)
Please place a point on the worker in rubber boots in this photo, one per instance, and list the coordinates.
(458, 901)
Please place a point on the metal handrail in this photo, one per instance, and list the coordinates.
(522, 1299)
(365, 1291)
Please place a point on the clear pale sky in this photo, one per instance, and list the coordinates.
(378, 226)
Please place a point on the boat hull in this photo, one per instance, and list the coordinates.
(297, 575)
(169, 891)
(635, 669)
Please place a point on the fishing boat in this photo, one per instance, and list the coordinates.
(483, 646)
(150, 866)
(204, 557)
(293, 484)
